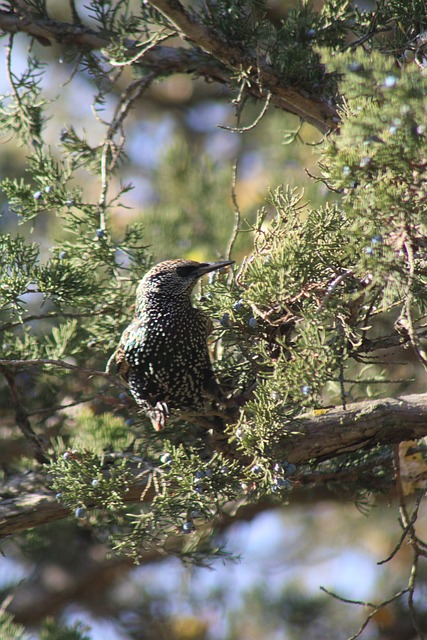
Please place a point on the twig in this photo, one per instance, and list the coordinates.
(254, 123)
(56, 363)
(364, 38)
(333, 285)
(21, 418)
(419, 351)
(405, 531)
(237, 213)
(45, 316)
(375, 608)
(61, 407)
(127, 98)
(142, 49)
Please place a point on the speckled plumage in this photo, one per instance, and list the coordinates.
(163, 353)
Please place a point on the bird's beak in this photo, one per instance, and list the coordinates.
(207, 267)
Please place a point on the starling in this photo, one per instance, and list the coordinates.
(163, 354)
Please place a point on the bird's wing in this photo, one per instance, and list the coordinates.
(118, 362)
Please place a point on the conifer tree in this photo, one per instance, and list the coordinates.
(311, 327)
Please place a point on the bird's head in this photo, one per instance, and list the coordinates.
(174, 278)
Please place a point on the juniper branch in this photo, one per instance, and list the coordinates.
(216, 61)
(362, 426)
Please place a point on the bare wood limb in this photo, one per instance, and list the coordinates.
(362, 425)
(319, 114)
(219, 63)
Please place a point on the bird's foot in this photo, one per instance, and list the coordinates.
(158, 415)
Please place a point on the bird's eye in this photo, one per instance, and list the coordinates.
(187, 271)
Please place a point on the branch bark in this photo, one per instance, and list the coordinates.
(362, 425)
(320, 114)
(28, 502)
(213, 59)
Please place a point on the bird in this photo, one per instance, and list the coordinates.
(163, 354)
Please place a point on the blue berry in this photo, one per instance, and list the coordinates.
(48, 189)
(311, 33)
(69, 203)
(37, 195)
(365, 162)
(63, 255)
(199, 474)
(95, 482)
(225, 320)
(187, 527)
(199, 488)
(390, 82)
(355, 67)
(66, 455)
(80, 512)
(256, 469)
(224, 470)
(377, 239)
(369, 251)
(58, 496)
(346, 170)
(238, 306)
(252, 323)
(306, 390)
(100, 233)
(290, 468)
(166, 458)
(129, 422)
(282, 483)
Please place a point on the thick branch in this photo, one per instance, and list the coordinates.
(219, 63)
(319, 114)
(362, 426)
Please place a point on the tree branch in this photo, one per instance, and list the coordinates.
(362, 425)
(28, 503)
(219, 63)
(319, 114)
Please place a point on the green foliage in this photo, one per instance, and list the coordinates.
(289, 46)
(22, 111)
(93, 487)
(9, 630)
(378, 162)
(53, 630)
